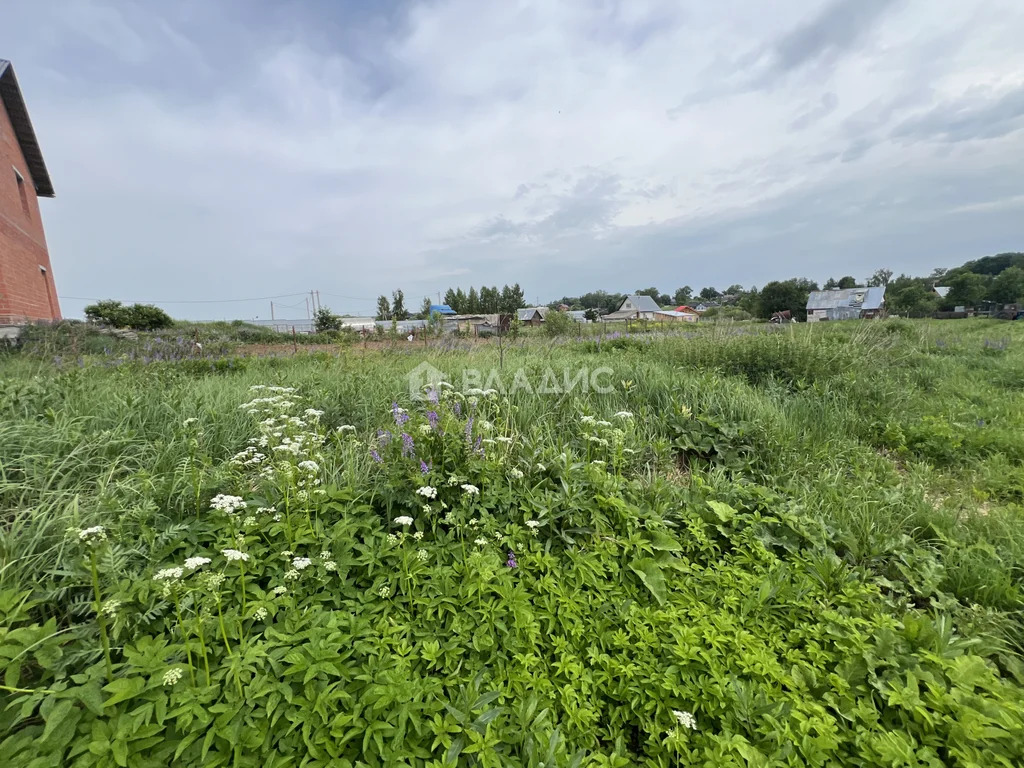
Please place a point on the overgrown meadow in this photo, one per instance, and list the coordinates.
(788, 547)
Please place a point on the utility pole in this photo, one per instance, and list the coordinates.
(318, 301)
(307, 309)
(271, 310)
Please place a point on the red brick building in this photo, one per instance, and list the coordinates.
(27, 290)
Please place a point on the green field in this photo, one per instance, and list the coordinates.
(763, 547)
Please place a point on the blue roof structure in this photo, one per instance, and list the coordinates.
(443, 309)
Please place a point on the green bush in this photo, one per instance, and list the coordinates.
(140, 317)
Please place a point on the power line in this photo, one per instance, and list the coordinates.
(192, 301)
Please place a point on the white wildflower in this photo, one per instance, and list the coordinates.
(685, 719)
(309, 466)
(604, 423)
(484, 425)
(109, 608)
(541, 468)
(169, 574)
(533, 524)
(291, 575)
(234, 554)
(481, 542)
(403, 520)
(504, 439)
(260, 614)
(313, 413)
(626, 415)
(249, 521)
(471, 490)
(301, 563)
(265, 511)
(425, 429)
(418, 535)
(172, 675)
(422, 555)
(516, 474)
(384, 591)
(227, 504)
(95, 533)
(346, 428)
(426, 508)
(278, 591)
(325, 555)
(474, 522)
(427, 492)
(287, 553)
(191, 563)
(393, 538)
(330, 565)
(588, 420)
(189, 422)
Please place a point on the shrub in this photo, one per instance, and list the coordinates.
(558, 323)
(140, 317)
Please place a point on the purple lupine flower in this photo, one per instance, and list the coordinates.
(511, 562)
(408, 449)
(457, 408)
(423, 467)
(384, 436)
(400, 416)
(478, 446)
(376, 456)
(469, 430)
(432, 395)
(432, 418)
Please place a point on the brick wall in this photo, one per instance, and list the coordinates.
(26, 292)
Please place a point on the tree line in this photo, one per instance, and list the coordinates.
(485, 301)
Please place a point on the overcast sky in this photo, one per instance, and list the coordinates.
(244, 148)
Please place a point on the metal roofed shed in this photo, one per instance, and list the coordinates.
(846, 304)
(17, 112)
(441, 309)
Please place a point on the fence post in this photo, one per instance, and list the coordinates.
(295, 342)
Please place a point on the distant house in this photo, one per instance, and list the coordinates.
(27, 291)
(579, 315)
(941, 290)
(532, 315)
(441, 309)
(634, 307)
(671, 316)
(846, 304)
(675, 316)
(704, 306)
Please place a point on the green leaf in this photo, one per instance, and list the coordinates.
(663, 542)
(123, 689)
(724, 512)
(652, 577)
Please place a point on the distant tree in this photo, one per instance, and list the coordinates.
(557, 323)
(325, 320)
(911, 296)
(709, 293)
(472, 301)
(733, 290)
(591, 315)
(461, 304)
(967, 289)
(683, 295)
(848, 281)
(383, 308)
(750, 300)
(108, 312)
(1008, 286)
(450, 299)
(880, 277)
(792, 294)
(830, 285)
(398, 310)
(424, 313)
(937, 274)
(517, 299)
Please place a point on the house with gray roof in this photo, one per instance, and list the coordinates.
(634, 307)
(846, 304)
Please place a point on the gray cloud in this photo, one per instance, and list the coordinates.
(840, 25)
(251, 147)
(974, 116)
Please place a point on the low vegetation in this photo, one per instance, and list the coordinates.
(795, 546)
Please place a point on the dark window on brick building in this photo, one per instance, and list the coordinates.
(24, 194)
